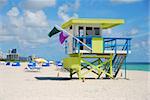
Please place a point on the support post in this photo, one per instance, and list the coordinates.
(115, 46)
(125, 69)
(71, 73)
(111, 56)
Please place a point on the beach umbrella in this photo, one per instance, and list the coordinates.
(40, 60)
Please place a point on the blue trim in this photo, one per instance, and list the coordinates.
(108, 44)
(78, 47)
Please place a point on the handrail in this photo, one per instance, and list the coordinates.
(109, 43)
(117, 38)
(119, 58)
(113, 45)
(125, 46)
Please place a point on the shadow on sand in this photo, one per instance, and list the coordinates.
(60, 78)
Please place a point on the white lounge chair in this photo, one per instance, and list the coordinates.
(32, 66)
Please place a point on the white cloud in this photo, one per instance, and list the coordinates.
(77, 4)
(5, 38)
(4, 35)
(143, 43)
(134, 31)
(136, 45)
(29, 19)
(125, 1)
(146, 44)
(29, 29)
(38, 4)
(37, 19)
(13, 12)
(62, 12)
(113, 33)
(65, 8)
(109, 31)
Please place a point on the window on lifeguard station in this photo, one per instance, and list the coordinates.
(81, 31)
(96, 31)
(89, 33)
(70, 27)
(81, 34)
(88, 30)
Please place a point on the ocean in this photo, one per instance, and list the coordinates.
(138, 67)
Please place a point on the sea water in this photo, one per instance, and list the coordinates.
(139, 67)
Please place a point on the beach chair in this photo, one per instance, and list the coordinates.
(7, 63)
(45, 64)
(51, 63)
(2, 63)
(16, 64)
(59, 64)
(32, 66)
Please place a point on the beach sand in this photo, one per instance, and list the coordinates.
(16, 84)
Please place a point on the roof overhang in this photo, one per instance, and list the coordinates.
(103, 23)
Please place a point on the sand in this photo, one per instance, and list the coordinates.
(16, 84)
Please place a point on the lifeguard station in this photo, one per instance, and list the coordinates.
(89, 50)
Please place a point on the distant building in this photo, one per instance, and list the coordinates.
(12, 55)
(1, 54)
(23, 58)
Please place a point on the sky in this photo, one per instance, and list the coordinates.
(25, 24)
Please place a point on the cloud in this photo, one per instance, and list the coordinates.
(77, 4)
(38, 4)
(4, 33)
(63, 11)
(143, 43)
(134, 31)
(29, 29)
(136, 46)
(113, 33)
(125, 1)
(29, 19)
(13, 12)
(107, 31)
(35, 19)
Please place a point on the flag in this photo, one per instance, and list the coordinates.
(53, 32)
(62, 37)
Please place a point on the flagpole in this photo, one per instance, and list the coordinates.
(73, 36)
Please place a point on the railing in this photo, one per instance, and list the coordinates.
(114, 44)
(117, 62)
(123, 44)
